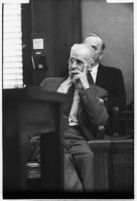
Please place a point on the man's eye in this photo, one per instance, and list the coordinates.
(94, 47)
(72, 60)
(79, 62)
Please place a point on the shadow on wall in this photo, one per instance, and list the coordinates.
(114, 22)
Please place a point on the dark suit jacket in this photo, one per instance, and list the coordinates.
(111, 79)
(92, 112)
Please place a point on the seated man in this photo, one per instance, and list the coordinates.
(82, 117)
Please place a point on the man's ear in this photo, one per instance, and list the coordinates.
(92, 64)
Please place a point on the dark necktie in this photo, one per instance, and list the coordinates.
(71, 90)
(91, 81)
(90, 78)
(67, 106)
(65, 109)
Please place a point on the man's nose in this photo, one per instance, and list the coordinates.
(74, 64)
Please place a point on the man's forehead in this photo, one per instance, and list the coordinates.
(81, 51)
(79, 55)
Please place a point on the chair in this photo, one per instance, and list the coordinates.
(123, 122)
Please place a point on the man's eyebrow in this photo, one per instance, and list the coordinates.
(79, 59)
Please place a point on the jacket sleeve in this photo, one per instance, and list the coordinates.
(95, 109)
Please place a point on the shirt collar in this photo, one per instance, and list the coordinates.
(94, 69)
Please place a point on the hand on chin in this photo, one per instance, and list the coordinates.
(77, 84)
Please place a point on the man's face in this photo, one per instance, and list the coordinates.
(79, 60)
(96, 44)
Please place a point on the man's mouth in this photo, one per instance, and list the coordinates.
(72, 73)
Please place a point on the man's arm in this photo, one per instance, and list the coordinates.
(89, 95)
(94, 108)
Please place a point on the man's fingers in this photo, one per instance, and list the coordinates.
(75, 72)
(75, 77)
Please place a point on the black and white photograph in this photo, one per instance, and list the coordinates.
(68, 99)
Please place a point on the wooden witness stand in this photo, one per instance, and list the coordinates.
(113, 167)
(31, 111)
(26, 112)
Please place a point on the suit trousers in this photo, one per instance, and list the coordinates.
(82, 155)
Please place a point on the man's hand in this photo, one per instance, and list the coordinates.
(80, 79)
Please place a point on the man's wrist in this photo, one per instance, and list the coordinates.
(86, 86)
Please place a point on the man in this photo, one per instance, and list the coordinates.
(106, 77)
(82, 118)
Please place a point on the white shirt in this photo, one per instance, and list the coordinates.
(64, 87)
(94, 72)
(73, 121)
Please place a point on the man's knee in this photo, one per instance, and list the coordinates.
(88, 152)
(86, 155)
(89, 156)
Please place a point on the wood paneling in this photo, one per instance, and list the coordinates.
(60, 21)
(113, 167)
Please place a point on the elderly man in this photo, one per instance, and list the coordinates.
(81, 118)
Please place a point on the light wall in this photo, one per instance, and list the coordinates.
(114, 22)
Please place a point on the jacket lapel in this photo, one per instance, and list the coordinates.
(99, 79)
